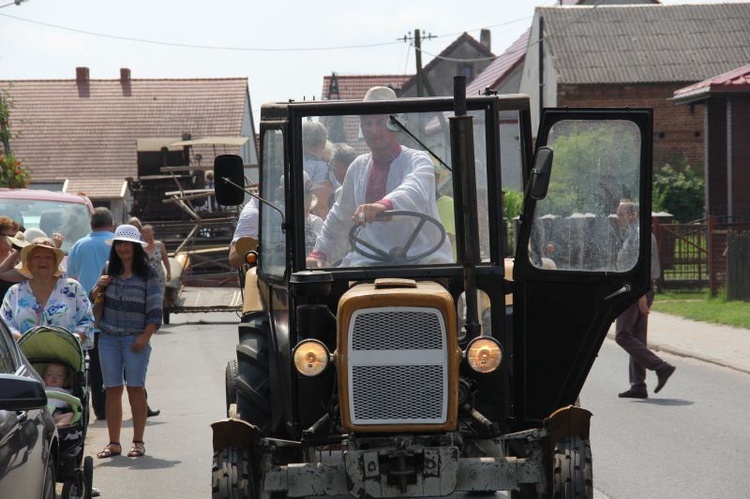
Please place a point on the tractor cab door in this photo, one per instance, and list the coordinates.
(577, 266)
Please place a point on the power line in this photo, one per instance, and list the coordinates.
(293, 49)
(194, 46)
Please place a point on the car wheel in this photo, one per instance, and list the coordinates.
(49, 480)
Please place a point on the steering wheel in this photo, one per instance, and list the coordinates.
(397, 255)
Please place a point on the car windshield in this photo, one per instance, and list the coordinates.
(72, 220)
(378, 189)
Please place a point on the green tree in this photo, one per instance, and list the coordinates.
(595, 166)
(679, 191)
(12, 174)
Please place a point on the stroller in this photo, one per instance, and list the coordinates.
(44, 344)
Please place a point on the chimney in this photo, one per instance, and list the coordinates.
(124, 75)
(82, 75)
(485, 38)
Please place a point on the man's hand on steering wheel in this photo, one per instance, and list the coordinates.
(396, 255)
(368, 212)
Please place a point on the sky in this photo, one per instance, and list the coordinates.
(284, 50)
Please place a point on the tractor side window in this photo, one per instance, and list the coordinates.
(596, 169)
(272, 238)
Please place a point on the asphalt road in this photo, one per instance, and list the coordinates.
(186, 381)
(686, 442)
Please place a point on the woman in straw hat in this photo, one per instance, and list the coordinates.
(47, 297)
(132, 294)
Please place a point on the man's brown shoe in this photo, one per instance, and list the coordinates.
(662, 376)
(634, 393)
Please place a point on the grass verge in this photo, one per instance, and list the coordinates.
(704, 307)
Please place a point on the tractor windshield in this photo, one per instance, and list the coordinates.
(379, 189)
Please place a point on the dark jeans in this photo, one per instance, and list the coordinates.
(631, 329)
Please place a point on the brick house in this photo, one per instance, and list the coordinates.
(82, 134)
(725, 100)
(635, 55)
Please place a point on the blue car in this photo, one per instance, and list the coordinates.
(28, 437)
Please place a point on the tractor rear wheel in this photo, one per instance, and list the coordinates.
(230, 382)
(253, 382)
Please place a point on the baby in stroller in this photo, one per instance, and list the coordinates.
(57, 354)
(56, 380)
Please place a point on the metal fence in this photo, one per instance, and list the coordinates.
(738, 266)
(713, 254)
(696, 256)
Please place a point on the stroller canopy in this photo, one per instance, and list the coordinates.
(46, 343)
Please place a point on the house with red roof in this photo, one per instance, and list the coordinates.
(637, 56)
(726, 102)
(83, 134)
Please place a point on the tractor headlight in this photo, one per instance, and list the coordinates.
(483, 354)
(311, 357)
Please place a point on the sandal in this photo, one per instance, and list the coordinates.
(109, 450)
(138, 449)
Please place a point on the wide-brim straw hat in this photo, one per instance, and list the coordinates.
(39, 242)
(129, 233)
(22, 239)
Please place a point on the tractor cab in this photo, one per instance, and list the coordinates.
(383, 325)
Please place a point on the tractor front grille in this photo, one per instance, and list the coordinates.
(398, 366)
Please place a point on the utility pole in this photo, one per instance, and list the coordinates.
(422, 84)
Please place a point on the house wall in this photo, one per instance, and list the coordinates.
(511, 83)
(530, 77)
(678, 130)
(715, 171)
(739, 109)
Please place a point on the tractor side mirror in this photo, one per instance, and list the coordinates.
(540, 174)
(229, 180)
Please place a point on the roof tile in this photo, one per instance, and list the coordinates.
(87, 133)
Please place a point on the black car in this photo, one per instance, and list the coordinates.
(28, 437)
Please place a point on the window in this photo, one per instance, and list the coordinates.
(582, 224)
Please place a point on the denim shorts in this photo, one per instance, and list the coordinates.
(119, 365)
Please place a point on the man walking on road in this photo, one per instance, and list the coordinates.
(85, 262)
(632, 326)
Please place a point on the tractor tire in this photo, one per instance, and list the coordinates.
(230, 383)
(572, 472)
(233, 476)
(253, 383)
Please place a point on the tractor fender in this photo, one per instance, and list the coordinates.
(251, 293)
(234, 432)
(567, 422)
